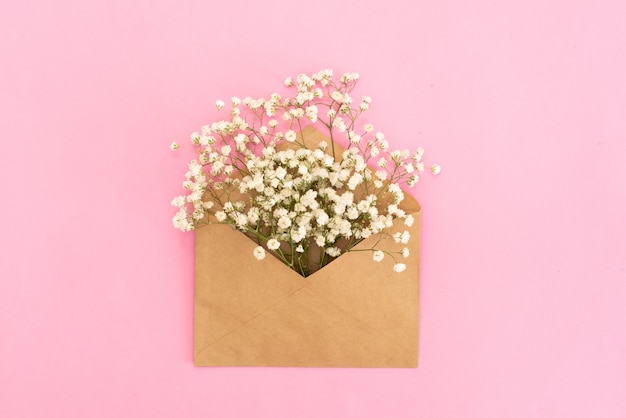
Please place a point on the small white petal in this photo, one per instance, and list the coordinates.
(259, 253)
(273, 244)
(399, 267)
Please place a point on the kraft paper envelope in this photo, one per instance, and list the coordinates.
(354, 312)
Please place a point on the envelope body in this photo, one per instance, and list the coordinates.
(354, 312)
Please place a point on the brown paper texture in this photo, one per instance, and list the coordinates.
(352, 313)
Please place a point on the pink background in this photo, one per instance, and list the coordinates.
(523, 302)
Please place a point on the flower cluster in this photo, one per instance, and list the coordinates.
(264, 171)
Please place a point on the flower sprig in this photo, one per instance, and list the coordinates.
(264, 170)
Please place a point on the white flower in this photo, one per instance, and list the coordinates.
(381, 174)
(303, 199)
(354, 181)
(181, 221)
(297, 113)
(311, 113)
(339, 124)
(308, 199)
(352, 213)
(280, 173)
(253, 215)
(273, 244)
(284, 222)
(337, 96)
(259, 253)
(241, 139)
(354, 137)
(299, 234)
(435, 169)
(399, 267)
(241, 220)
(178, 201)
(404, 238)
(417, 157)
(290, 136)
(321, 218)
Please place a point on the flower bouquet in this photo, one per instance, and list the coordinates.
(297, 177)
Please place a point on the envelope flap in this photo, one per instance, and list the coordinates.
(240, 286)
(382, 299)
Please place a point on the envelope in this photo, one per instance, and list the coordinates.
(354, 312)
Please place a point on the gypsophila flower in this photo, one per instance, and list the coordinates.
(259, 253)
(178, 201)
(273, 244)
(378, 255)
(290, 136)
(303, 200)
(174, 146)
(436, 169)
(399, 267)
